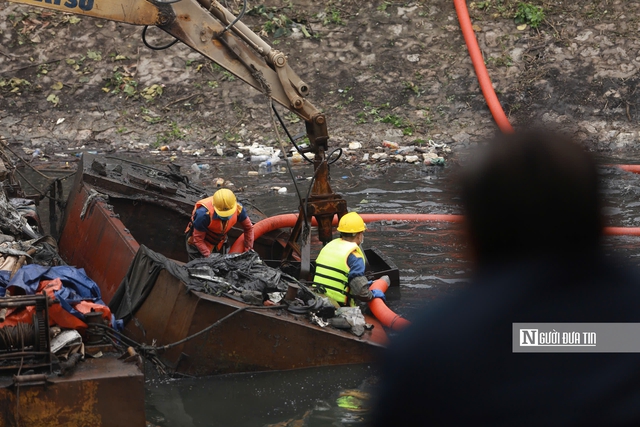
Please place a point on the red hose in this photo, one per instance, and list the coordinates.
(485, 82)
(629, 168)
(289, 220)
(383, 313)
(622, 231)
(481, 70)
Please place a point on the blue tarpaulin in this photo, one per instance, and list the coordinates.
(77, 286)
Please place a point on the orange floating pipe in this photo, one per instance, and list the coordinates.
(383, 313)
(622, 231)
(289, 220)
(630, 168)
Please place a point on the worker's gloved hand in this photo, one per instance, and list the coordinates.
(377, 293)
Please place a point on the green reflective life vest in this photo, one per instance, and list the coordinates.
(332, 271)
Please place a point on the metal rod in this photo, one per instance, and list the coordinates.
(23, 353)
(239, 27)
(13, 367)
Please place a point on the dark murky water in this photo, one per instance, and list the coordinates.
(260, 399)
(431, 261)
(430, 257)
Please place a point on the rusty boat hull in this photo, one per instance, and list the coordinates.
(103, 392)
(71, 383)
(104, 237)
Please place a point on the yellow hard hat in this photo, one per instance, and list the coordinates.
(351, 223)
(225, 202)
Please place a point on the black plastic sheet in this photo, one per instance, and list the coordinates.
(237, 272)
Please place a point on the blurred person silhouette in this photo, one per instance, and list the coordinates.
(534, 225)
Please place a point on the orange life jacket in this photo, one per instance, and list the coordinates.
(217, 229)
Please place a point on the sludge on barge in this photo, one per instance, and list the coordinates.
(150, 207)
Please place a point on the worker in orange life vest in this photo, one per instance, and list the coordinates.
(211, 220)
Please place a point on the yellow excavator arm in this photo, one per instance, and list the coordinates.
(209, 28)
(204, 25)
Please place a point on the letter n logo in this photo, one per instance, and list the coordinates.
(528, 337)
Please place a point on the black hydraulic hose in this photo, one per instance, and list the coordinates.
(145, 348)
(244, 8)
(144, 40)
(147, 351)
(293, 141)
(275, 129)
(119, 335)
(331, 155)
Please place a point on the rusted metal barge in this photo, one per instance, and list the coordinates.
(69, 374)
(38, 388)
(100, 392)
(149, 207)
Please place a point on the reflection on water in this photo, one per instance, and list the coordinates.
(318, 397)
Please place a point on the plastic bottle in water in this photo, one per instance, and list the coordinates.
(268, 163)
(266, 166)
(259, 158)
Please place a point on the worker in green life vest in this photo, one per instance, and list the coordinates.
(340, 265)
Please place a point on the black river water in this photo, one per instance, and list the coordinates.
(431, 259)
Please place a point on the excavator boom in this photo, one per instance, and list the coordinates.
(209, 28)
(201, 26)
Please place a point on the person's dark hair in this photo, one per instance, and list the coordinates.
(530, 193)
